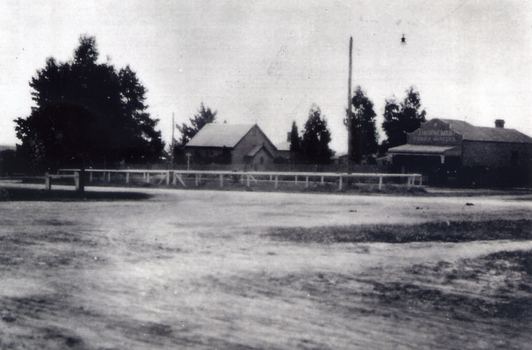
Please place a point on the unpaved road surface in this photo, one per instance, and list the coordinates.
(198, 270)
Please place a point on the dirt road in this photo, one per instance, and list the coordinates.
(198, 270)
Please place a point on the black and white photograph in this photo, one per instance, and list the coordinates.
(265, 174)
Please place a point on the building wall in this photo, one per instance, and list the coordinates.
(284, 154)
(253, 138)
(266, 162)
(495, 154)
(206, 151)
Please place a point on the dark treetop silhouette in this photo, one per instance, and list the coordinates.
(87, 114)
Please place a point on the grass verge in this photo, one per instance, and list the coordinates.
(451, 231)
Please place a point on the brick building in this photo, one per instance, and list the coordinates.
(456, 152)
(240, 145)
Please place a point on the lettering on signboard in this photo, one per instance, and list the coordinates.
(434, 136)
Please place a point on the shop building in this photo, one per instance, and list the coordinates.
(453, 152)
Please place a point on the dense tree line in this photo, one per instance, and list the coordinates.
(88, 114)
(312, 147)
(400, 118)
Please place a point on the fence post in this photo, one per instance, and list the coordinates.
(167, 178)
(380, 183)
(147, 178)
(76, 180)
(248, 180)
(47, 182)
(340, 183)
(109, 176)
(90, 176)
(127, 177)
(276, 181)
(306, 182)
(221, 180)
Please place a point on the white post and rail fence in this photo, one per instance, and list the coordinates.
(192, 178)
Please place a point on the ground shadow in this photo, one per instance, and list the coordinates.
(28, 194)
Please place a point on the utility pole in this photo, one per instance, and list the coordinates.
(349, 113)
(173, 141)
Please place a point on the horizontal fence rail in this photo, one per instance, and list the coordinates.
(181, 177)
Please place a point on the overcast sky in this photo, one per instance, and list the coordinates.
(270, 61)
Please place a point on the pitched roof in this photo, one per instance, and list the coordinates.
(478, 133)
(256, 150)
(220, 135)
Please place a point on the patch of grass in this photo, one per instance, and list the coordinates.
(452, 231)
(506, 298)
(518, 260)
(460, 306)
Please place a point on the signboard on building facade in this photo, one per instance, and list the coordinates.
(434, 133)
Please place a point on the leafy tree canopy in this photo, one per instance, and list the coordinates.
(402, 118)
(316, 138)
(87, 113)
(363, 129)
(203, 117)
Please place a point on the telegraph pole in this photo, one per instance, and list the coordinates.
(173, 141)
(349, 113)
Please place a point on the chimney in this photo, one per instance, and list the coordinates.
(289, 136)
(499, 123)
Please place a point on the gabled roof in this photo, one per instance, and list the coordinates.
(478, 133)
(220, 135)
(256, 150)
